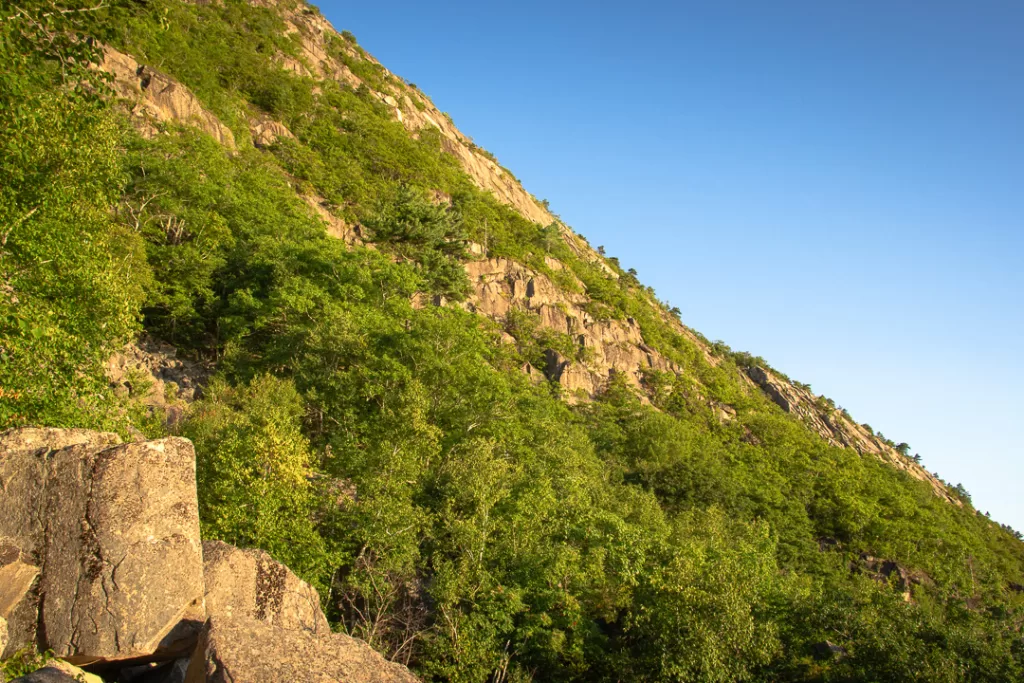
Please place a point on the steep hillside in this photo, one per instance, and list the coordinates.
(494, 452)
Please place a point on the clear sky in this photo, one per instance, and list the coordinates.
(835, 186)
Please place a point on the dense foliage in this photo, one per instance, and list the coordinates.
(455, 515)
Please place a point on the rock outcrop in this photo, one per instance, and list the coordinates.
(265, 131)
(336, 227)
(151, 372)
(250, 584)
(837, 429)
(101, 563)
(605, 346)
(892, 573)
(156, 98)
(321, 54)
(257, 605)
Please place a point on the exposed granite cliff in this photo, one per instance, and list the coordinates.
(321, 56)
(154, 98)
(609, 346)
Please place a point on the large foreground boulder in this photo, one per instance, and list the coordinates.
(24, 472)
(250, 651)
(113, 532)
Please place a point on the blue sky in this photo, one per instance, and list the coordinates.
(835, 186)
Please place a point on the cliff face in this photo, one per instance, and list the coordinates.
(603, 347)
(609, 346)
(154, 98)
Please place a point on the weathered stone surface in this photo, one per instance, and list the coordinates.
(23, 459)
(250, 584)
(114, 532)
(158, 98)
(123, 564)
(336, 227)
(25, 455)
(573, 377)
(535, 375)
(250, 651)
(609, 346)
(58, 671)
(3, 634)
(38, 440)
(266, 131)
(16, 577)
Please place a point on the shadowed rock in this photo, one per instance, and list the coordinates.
(58, 672)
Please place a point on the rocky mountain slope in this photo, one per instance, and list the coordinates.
(489, 451)
(499, 285)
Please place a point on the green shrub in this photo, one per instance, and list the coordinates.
(254, 473)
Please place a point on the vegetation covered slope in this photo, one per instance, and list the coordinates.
(671, 523)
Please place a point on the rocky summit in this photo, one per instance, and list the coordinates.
(299, 383)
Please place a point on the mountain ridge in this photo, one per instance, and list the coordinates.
(493, 451)
(415, 111)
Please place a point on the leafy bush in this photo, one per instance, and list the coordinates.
(71, 278)
(254, 473)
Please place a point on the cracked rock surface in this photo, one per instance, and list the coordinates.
(101, 563)
(112, 530)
